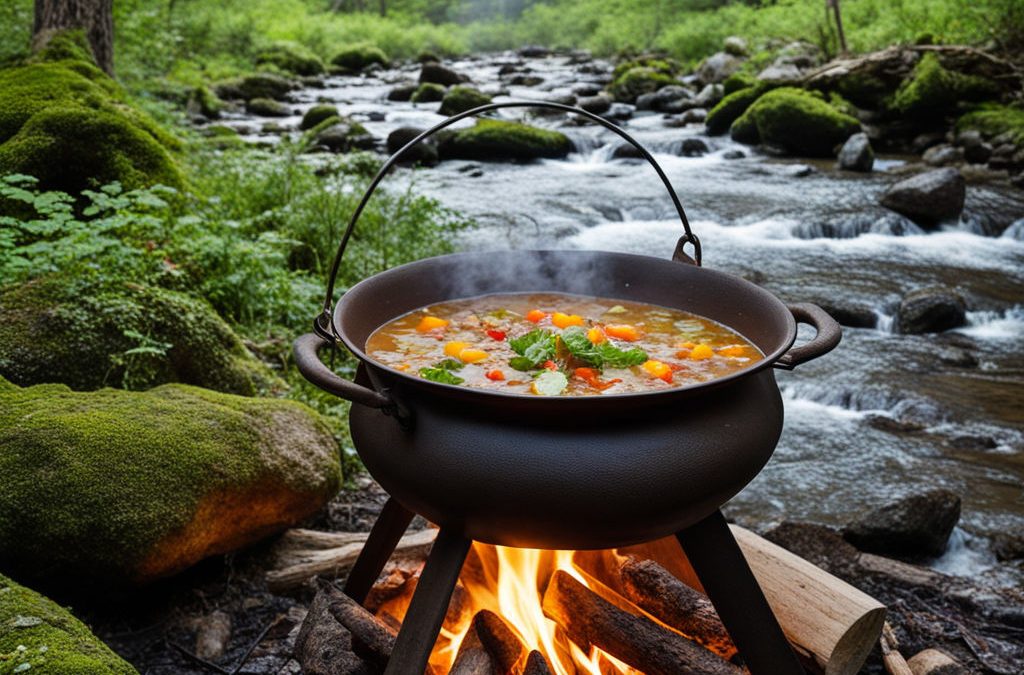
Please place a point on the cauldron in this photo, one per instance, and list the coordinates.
(587, 472)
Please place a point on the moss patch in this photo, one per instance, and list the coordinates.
(656, 63)
(995, 120)
(637, 81)
(428, 92)
(121, 486)
(738, 81)
(357, 57)
(497, 139)
(932, 92)
(291, 57)
(257, 85)
(460, 99)
(721, 117)
(317, 114)
(799, 122)
(53, 330)
(37, 631)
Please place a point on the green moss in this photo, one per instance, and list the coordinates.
(316, 115)
(95, 480)
(71, 45)
(932, 92)
(291, 57)
(497, 139)
(659, 64)
(995, 120)
(428, 92)
(256, 85)
(744, 129)
(460, 99)
(357, 57)
(721, 117)
(205, 102)
(637, 81)
(837, 101)
(56, 330)
(738, 81)
(37, 631)
(799, 122)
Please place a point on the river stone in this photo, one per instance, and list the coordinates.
(693, 147)
(914, 526)
(817, 544)
(120, 487)
(626, 151)
(733, 154)
(856, 153)
(438, 74)
(258, 85)
(403, 92)
(717, 67)
(852, 314)
(423, 153)
(317, 114)
(943, 154)
(343, 136)
(598, 105)
(492, 139)
(709, 96)
(39, 636)
(265, 107)
(735, 45)
(978, 154)
(1008, 546)
(620, 111)
(781, 73)
(694, 116)
(586, 89)
(533, 52)
(928, 198)
(930, 310)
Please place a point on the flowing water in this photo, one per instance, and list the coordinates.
(884, 414)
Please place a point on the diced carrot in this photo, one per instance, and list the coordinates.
(471, 355)
(535, 316)
(495, 375)
(685, 345)
(596, 335)
(453, 349)
(590, 376)
(701, 352)
(550, 365)
(623, 332)
(735, 350)
(403, 366)
(658, 369)
(565, 320)
(429, 323)
(498, 335)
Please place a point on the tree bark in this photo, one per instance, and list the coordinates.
(95, 17)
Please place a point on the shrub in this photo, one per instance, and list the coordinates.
(995, 120)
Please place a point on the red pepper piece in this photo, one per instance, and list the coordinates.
(498, 335)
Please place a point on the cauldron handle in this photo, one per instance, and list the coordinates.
(314, 370)
(323, 324)
(828, 335)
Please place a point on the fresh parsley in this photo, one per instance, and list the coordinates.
(442, 372)
(603, 355)
(534, 349)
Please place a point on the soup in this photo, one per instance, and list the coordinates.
(555, 344)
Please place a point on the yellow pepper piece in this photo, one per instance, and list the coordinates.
(701, 352)
(658, 369)
(565, 320)
(472, 355)
(735, 351)
(623, 332)
(429, 323)
(596, 335)
(452, 349)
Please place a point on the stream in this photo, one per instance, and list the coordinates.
(882, 416)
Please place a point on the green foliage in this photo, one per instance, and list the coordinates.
(932, 92)
(460, 99)
(721, 117)
(798, 121)
(356, 57)
(498, 139)
(290, 57)
(428, 92)
(995, 120)
(39, 636)
(638, 80)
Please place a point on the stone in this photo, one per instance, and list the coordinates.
(526, 80)
(915, 526)
(709, 96)
(359, 57)
(717, 67)
(785, 73)
(928, 198)
(852, 314)
(598, 105)
(729, 109)
(257, 85)
(423, 153)
(942, 155)
(533, 52)
(694, 116)
(817, 544)
(733, 154)
(930, 310)
(856, 154)
(693, 147)
(342, 136)
(922, 142)
(1008, 546)
(637, 81)
(265, 107)
(977, 154)
(795, 121)
(403, 92)
(460, 99)
(620, 111)
(428, 92)
(316, 115)
(586, 89)
(735, 45)
(118, 488)
(437, 74)
(626, 151)
(645, 101)
(501, 140)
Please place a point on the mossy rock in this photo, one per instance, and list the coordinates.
(318, 114)
(657, 63)
(461, 99)
(55, 330)
(638, 81)
(744, 130)
(291, 57)
(501, 140)
(256, 85)
(202, 100)
(267, 107)
(117, 487)
(340, 134)
(729, 109)
(428, 92)
(995, 120)
(738, 81)
(357, 57)
(798, 121)
(864, 89)
(35, 630)
(933, 92)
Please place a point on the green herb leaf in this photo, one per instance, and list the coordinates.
(534, 348)
(521, 363)
(442, 375)
(450, 364)
(613, 357)
(604, 355)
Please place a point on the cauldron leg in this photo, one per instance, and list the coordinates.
(732, 589)
(429, 604)
(389, 528)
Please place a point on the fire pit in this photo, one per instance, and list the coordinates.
(582, 473)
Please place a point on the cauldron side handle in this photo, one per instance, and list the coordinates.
(828, 335)
(312, 368)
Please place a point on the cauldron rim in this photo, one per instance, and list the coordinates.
(393, 374)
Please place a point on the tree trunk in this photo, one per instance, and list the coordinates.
(834, 5)
(95, 17)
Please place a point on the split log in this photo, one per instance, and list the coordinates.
(295, 565)
(472, 658)
(371, 638)
(891, 657)
(323, 646)
(536, 664)
(590, 620)
(500, 640)
(653, 589)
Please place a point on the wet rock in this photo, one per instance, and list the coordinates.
(343, 136)
(403, 92)
(797, 122)
(709, 96)
(942, 155)
(213, 632)
(359, 58)
(646, 101)
(1008, 546)
(730, 108)
(922, 142)
(259, 85)
(928, 198)
(693, 147)
(376, 116)
(316, 115)
(428, 92)
(733, 154)
(735, 45)
(620, 111)
(595, 104)
(435, 73)
(460, 99)
(797, 170)
(852, 314)
(533, 52)
(893, 425)
(500, 140)
(856, 154)
(626, 151)
(974, 443)
(637, 81)
(694, 116)
(587, 89)
(957, 356)
(1007, 157)
(785, 73)
(717, 67)
(423, 153)
(265, 107)
(526, 80)
(978, 153)
(509, 68)
(930, 310)
(914, 526)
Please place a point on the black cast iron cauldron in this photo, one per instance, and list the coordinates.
(589, 472)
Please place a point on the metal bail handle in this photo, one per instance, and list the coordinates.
(323, 324)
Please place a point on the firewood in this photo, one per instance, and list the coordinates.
(472, 658)
(891, 657)
(536, 664)
(653, 589)
(300, 539)
(371, 638)
(323, 646)
(590, 620)
(295, 565)
(500, 640)
(934, 662)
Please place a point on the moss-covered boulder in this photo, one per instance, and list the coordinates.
(932, 92)
(318, 114)
(428, 92)
(638, 81)
(256, 85)
(291, 57)
(126, 487)
(501, 140)
(738, 81)
(657, 63)
(202, 101)
(461, 99)
(267, 107)
(995, 120)
(721, 117)
(357, 57)
(340, 134)
(55, 330)
(38, 632)
(65, 122)
(797, 121)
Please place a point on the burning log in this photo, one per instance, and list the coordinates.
(472, 658)
(371, 639)
(301, 556)
(499, 639)
(536, 664)
(590, 620)
(653, 589)
(492, 647)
